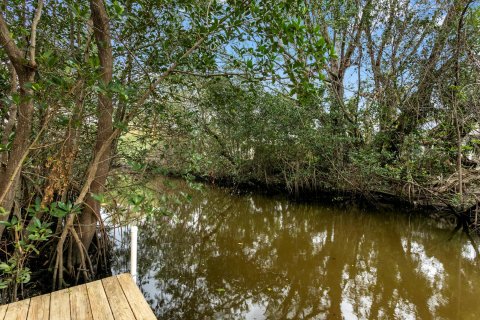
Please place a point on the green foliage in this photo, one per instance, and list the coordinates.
(14, 271)
(358, 96)
(60, 210)
(39, 231)
(11, 273)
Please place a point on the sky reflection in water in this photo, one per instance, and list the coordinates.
(251, 257)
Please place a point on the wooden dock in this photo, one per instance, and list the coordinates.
(113, 298)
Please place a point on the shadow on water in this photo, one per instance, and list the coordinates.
(237, 257)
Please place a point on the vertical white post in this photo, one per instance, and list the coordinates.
(133, 252)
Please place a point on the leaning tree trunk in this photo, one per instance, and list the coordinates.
(25, 69)
(91, 214)
(11, 175)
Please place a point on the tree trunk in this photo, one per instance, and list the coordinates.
(12, 116)
(91, 214)
(416, 107)
(11, 176)
(25, 70)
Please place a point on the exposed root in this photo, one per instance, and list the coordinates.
(84, 264)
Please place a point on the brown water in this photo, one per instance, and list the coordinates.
(253, 257)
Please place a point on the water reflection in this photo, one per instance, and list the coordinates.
(237, 257)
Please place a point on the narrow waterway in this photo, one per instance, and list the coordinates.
(223, 256)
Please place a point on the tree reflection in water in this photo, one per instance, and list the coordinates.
(236, 257)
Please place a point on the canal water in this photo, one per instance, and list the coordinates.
(224, 256)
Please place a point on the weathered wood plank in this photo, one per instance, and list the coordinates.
(98, 301)
(39, 308)
(135, 298)
(80, 304)
(114, 298)
(118, 302)
(17, 310)
(3, 310)
(60, 305)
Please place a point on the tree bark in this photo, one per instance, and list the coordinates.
(12, 117)
(91, 214)
(25, 69)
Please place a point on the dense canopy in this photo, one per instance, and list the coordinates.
(354, 97)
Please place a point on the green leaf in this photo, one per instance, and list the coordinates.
(24, 276)
(118, 8)
(37, 222)
(16, 98)
(4, 283)
(100, 197)
(5, 267)
(36, 86)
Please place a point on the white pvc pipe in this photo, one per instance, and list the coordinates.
(133, 252)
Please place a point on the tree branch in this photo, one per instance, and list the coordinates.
(13, 52)
(33, 33)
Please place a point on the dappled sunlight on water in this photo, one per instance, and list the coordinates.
(237, 257)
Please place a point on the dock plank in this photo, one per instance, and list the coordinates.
(39, 308)
(135, 298)
(17, 310)
(113, 298)
(59, 305)
(118, 302)
(80, 304)
(98, 301)
(3, 310)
